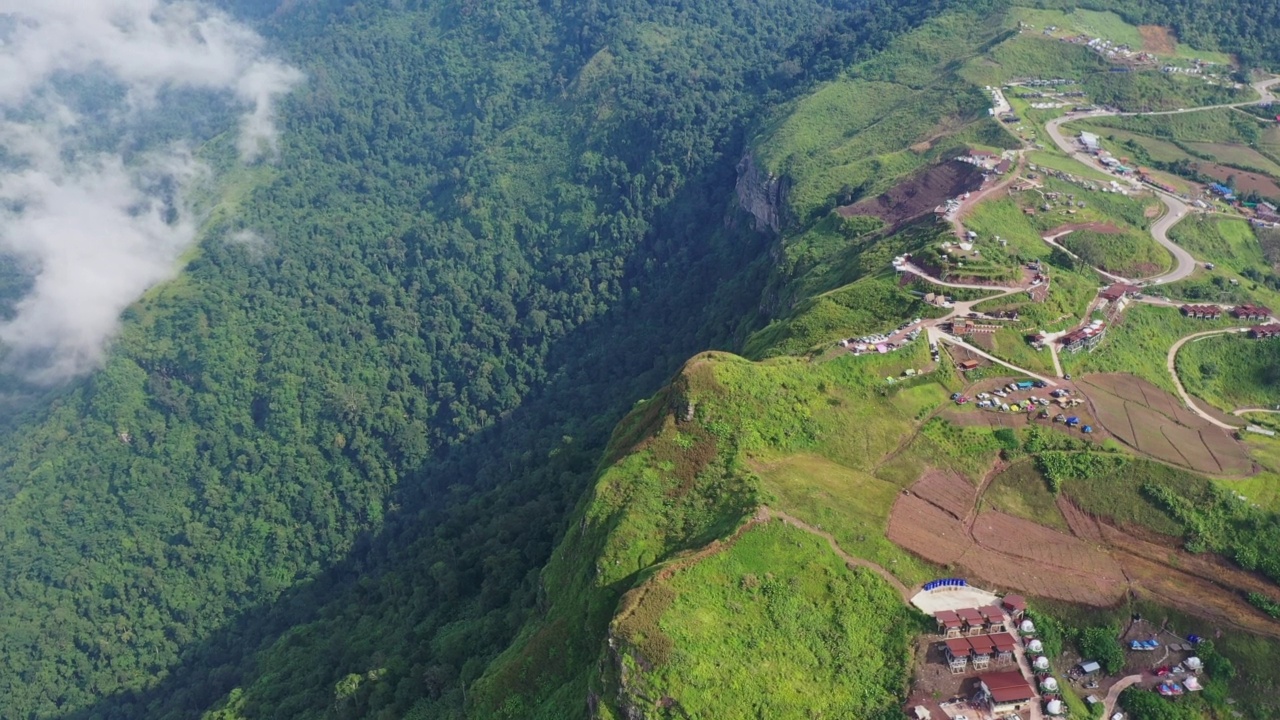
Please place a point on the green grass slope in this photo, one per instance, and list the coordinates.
(1232, 371)
(777, 617)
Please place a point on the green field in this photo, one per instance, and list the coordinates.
(1129, 254)
(1053, 160)
(1233, 247)
(1232, 371)
(1106, 25)
(780, 620)
(1139, 344)
(1022, 492)
(855, 136)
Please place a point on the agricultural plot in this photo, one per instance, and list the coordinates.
(950, 492)
(1155, 423)
(1008, 552)
(1238, 155)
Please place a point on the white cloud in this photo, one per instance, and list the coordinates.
(99, 230)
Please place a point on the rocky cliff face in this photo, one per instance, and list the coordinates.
(761, 194)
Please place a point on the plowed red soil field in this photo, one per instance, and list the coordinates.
(947, 490)
(919, 194)
(1154, 422)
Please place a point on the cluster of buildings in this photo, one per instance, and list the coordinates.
(1202, 312)
(1265, 332)
(987, 161)
(1084, 338)
(1251, 312)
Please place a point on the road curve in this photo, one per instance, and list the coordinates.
(1177, 382)
(1242, 411)
(1113, 695)
(1175, 209)
(938, 336)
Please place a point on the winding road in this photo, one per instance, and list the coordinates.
(1175, 208)
(1177, 382)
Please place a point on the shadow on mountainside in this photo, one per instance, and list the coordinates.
(450, 578)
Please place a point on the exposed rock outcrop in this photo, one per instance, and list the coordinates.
(762, 194)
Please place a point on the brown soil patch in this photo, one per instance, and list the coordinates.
(1155, 423)
(919, 194)
(1245, 181)
(1008, 552)
(927, 530)
(949, 491)
(1158, 39)
(1081, 523)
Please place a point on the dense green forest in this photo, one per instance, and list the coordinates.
(491, 228)
(318, 475)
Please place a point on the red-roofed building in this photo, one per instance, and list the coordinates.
(1004, 643)
(1005, 692)
(1264, 332)
(1119, 290)
(994, 616)
(1016, 605)
(973, 622)
(949, 624)
(983, 649)
(1202, 312)
(958, 650)
(1250, 312)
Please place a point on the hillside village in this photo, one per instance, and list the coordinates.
(984, 283)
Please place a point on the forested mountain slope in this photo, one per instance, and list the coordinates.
(491, 227)
(321, 472)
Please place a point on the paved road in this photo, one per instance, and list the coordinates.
(1242, 411)
(1053, 240)
(1175, 208)
(936, 335)
(1177, 383)
(1113, 695)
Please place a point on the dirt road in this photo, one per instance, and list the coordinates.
(1170, 364)
(936, 335)
(1113, 695)
(768, 512)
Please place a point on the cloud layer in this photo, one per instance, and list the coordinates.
(97, 229)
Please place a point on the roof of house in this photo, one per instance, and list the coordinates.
(1090, 666)
(1015, 602)
(1201, 309)
(944, 615)
(1268, 329)
(1007, 686)
(1003, 641)
(970, 615)
(982, 644)
(959, 647)
(1119, 290)
(1251, 311)
(992, 612)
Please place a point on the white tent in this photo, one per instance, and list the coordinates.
(1041, 663)
(1035, 646)
(1027, 627)
(1054, 707)
(1049, 684)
